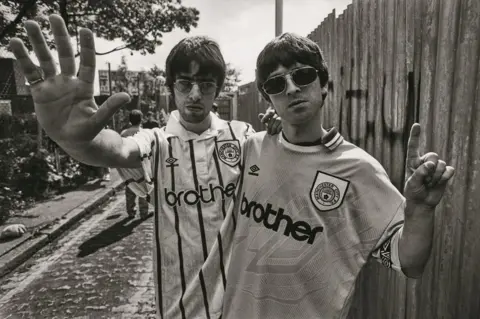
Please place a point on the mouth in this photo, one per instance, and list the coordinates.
(296, 102)
(195, 107)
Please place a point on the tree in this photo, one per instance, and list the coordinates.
(139, 24)
(232, 80)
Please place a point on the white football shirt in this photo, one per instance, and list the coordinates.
(191, 180)
(308, 219)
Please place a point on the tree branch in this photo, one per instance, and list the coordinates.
(125, 46)
(23, 11)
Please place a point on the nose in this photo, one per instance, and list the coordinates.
(291, 87)
(195, 93)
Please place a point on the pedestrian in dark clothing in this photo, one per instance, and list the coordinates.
(150, 123)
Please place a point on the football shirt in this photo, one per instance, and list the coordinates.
(308, 219)
(191, 180)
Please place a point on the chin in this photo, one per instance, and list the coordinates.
(194, 117)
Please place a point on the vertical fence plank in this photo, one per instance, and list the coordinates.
(355, 68)
(363, 36)
(371, 72)
(341, 85)
(331, 99)
(379, 77)
(362, 72)
(388, 74)
(346, 107)
(334, 70)
(399, 98)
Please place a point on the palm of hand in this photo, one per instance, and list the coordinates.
(64, 108)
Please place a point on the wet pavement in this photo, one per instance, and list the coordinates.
(100, 269)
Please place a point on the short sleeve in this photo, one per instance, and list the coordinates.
(140, 180)
(386, 250)
(383, 206)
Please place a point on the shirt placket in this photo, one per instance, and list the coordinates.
(201, 159)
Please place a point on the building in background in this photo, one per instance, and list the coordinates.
(14, 90)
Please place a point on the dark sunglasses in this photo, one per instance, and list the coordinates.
(301, 77)
(185, 86)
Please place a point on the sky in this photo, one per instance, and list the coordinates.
(241, 27)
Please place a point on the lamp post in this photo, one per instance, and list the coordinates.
(278, 17)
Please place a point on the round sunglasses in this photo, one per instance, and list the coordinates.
(185, 86)
(301, 77)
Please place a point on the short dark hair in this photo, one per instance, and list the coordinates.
(286, 50)
(149, 113)
(205, 51)
(135, 117)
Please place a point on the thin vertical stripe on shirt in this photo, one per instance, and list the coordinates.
(177, 229)
(157, 235)
(202, 228)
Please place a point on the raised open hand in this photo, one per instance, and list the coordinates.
(426, 175)
(64, 103)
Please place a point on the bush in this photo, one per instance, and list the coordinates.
(27, 176)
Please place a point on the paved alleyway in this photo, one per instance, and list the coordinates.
(101, 269)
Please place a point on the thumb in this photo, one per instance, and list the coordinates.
(423, 171)
(108, 109)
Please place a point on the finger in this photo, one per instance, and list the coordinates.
(429, 157)
(423, 172)
(437, 174)
(447, 175)
(41, 49)
(260, 116)
(273, 125)
(64, 47)
(267, 117)
(29, 69)
(107, 110)
(86, 71)
(413, 155)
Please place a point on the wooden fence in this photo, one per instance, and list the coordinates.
(393, 63)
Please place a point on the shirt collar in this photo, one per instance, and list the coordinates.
(331, 141)
(175, 128)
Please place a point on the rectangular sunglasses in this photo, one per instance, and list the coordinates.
(301, 77)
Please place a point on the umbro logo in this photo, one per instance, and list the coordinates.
(254, 170)
(171, 161)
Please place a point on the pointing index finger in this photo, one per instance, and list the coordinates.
(413, 153)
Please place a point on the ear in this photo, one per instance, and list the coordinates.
(324, 89)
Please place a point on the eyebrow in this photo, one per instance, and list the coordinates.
(276, 73)
(198, 78)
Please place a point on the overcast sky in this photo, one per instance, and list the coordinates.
(241, 27)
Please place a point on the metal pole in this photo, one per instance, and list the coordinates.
(278, 17)
(110, 90)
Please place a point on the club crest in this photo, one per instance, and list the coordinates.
(328, 191)
(229, 152)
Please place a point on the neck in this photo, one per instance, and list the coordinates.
(309, 132)
(197, 128)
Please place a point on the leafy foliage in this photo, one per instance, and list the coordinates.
(140, 25)
(232, 79)
(27, 176)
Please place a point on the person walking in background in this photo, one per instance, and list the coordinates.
(135, 119)
(150, 122)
